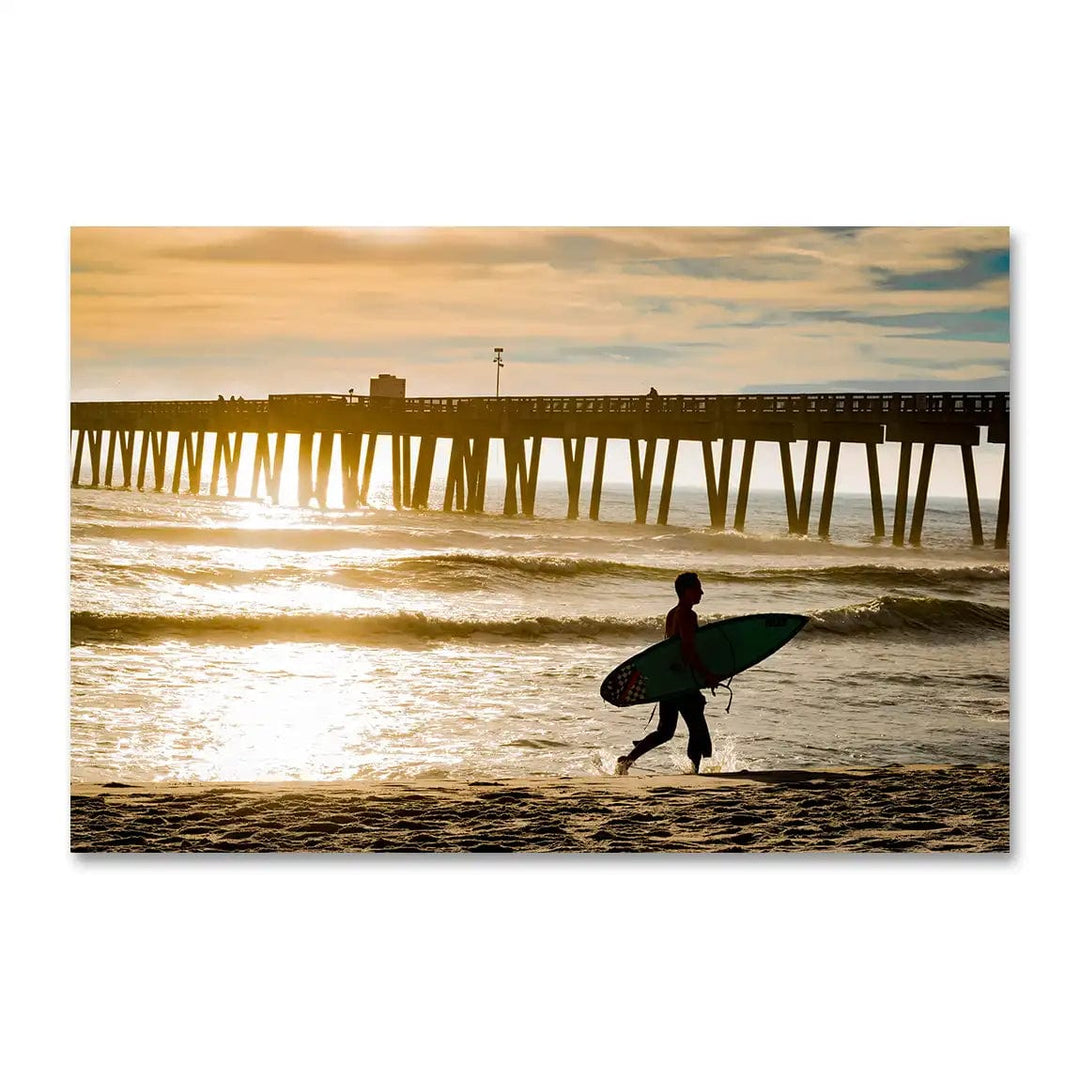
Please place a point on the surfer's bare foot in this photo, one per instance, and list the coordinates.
(622, 766)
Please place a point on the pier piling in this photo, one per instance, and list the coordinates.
(972, 496)
(669, 478)
(1001, 533)
(876, 505)
(574, 459)
(641, 474)
(598, 478)
(744, 484)
(921, 489)
(903, 477)
(827, 493)
(807, 495)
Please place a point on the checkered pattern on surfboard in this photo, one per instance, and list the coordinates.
(628, 686)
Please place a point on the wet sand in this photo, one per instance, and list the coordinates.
(918, 808)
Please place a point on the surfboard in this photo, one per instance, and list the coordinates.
(727, 646)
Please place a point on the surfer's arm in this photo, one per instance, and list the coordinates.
(687, 629)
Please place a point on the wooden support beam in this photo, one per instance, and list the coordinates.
(520, 475)
(262, 457)
(127, 453)
(876, 506)
(921, 490)
(271, 468)
(514, 462)
(455, 477)
(352, 445)
(669, 480)
(94, 438)
(111, 457)
(597, 478)
(194, 464)
(903, 478)
(710, 481)
(322, 473)
(216, 461)
(972, 496)
(406, 470)
(143, 452)
(232, 463)
(723, 480)
(425, 460)
(395, 470)
(183, 443)
(161, 455)
(158, 443)
(369, 461)
(476, 463)
(273, 485)
(305, 482)
(827, 493)
(574, 459)
(528, 501)
(744, 484)
(1001, 531)
(806, 496)
(79, 443)
(642, 477)
(789, 487)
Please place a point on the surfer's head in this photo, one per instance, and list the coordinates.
(684, 583)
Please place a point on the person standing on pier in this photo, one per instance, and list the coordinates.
(681, 623)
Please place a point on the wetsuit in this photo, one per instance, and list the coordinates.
(692, 706)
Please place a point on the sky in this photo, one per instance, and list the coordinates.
(190, 313)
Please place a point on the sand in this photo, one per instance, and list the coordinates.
(917, 808)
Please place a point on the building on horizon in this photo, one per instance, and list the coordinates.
(388, 386)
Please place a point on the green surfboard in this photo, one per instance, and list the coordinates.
(727, 646)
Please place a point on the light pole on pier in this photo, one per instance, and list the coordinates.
(498, 371)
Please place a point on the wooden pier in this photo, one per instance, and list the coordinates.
(116, 429)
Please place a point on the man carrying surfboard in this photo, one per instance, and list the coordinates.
(681, 623)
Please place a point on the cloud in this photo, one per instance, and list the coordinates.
(842, 232)
(462, 247)
(973, 269)
(934, 363)
(706, 310)
(789, 267)
(988, 324)
(991, 384)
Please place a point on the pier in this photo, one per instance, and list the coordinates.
(129, 443)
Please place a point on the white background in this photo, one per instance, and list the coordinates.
(560, 114)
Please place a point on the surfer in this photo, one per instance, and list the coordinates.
(682, 623)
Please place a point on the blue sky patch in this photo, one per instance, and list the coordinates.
(763, 268)
(988, 324)
(975, 267)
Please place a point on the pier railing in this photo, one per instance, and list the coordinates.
(985, 408)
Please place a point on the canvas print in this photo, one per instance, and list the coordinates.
(539, 540)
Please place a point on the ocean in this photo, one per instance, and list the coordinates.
(217, 639)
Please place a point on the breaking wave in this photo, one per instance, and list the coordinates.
(883, 615)
(920, 614)
(460, 571)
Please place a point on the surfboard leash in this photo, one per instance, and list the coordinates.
(727, 685)
(648, 723)
(730, 693)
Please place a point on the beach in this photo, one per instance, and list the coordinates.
(910, 808)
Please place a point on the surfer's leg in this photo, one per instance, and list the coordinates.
(699, 744)
(669, 718)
